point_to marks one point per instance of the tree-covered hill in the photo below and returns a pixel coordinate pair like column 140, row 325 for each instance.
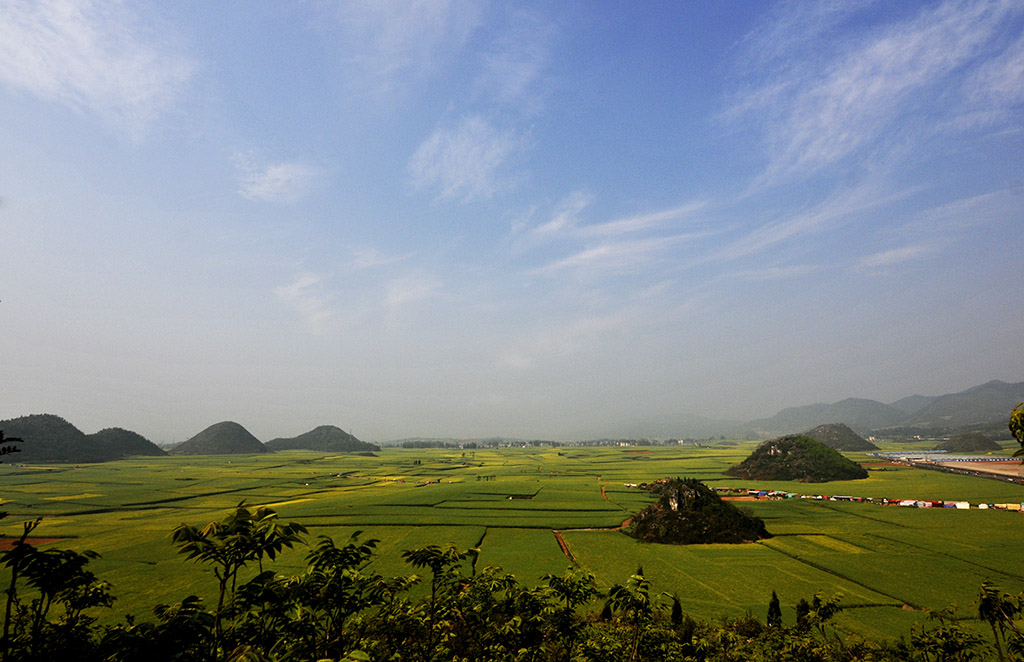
column 797, row 457
column 119, row 442
column 50, row 438
column 688, row 512
column 840, row 437
column 325, row 438
column 968, row 442
column 223, row 438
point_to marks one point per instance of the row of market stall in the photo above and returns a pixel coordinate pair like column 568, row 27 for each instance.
column 906, row 503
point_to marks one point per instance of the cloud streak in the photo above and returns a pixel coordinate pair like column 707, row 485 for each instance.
column 894, row 256
column 618, row 255
column 643, row 221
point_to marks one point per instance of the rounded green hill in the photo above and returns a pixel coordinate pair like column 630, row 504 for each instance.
column 221, row 439
column 968, row 443
column 325, row 438
column 50, row 438
column 119, row 442
column 797, row 457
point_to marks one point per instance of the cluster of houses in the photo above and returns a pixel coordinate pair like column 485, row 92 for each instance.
column 906, row 503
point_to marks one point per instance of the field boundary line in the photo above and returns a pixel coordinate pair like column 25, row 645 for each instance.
column 948, row 555
column 838, row 574
column 196, row 496
column 873, row 519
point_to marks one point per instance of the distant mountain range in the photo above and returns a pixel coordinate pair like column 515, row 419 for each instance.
column 860, row 414
column 984, row 406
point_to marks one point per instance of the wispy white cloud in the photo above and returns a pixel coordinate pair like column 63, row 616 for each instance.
column 273, row 182
column 367, row 258
column 467, row 162
column 939, row 228
column 386, row 42
column 997, row 87
column 642, row 221
column 566, row 215
column 409, row 289
column 92, row 55
column 894, row 256
column 954, row 218
column 513, row 68
column 794, row 26
column 822, row 102
column 619, row 255
column 305, row 295
column 773, row 273
column 836, row 209
column 557, row 342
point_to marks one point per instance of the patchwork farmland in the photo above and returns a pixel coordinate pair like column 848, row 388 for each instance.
column 890, row 564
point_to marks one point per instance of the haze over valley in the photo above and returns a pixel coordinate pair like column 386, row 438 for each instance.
column 539, row 221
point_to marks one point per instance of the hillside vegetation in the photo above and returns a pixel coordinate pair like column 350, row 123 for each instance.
column 968, row 443
column 325, row 438
column 223, row 438
column 125, row 443
column 50, row 438
column 688, row 512
column 797, row 457
column 841, row 438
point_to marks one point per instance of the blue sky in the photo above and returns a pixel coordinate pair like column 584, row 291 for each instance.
column 460, row 218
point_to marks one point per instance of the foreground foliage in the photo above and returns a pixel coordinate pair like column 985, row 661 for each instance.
column 339, row 610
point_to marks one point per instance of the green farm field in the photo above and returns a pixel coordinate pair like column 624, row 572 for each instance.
column 891, row 564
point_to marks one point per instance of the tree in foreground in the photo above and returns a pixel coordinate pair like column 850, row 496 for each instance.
column 244, row 536
column 1017, row 427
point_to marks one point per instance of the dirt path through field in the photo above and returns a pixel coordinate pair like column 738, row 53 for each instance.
column 565, row 546
column 7, row 543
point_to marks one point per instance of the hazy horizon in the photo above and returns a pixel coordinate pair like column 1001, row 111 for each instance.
column 464, row 219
